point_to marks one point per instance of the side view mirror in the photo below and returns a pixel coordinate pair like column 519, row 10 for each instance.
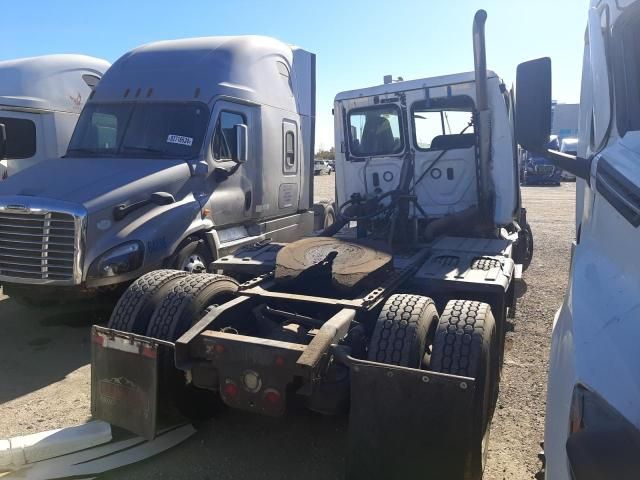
column 3, row 141
column 533, row 104
column 533, row 116
column 200, row 169
column 242, row 139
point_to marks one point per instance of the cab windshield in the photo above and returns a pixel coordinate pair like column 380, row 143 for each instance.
column 151, row 130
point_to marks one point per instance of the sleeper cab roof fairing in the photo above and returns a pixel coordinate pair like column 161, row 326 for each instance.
column 48, row 82
column 256, row 69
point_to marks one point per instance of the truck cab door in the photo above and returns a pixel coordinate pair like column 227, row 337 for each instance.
column 289, row 188
column 445, row 149
column 371, row 146
column 281, row 151
column 232, row 185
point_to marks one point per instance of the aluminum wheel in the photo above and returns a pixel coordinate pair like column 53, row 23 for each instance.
column 194, row 263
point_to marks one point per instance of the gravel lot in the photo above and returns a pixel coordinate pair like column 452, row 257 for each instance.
column 44, row 357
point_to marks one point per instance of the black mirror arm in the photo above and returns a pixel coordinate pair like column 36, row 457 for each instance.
column 221, row 174
column 580, row 167
column 157, row 198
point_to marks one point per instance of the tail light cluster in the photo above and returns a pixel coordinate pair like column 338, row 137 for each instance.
column 250, row 389
column 249, row 392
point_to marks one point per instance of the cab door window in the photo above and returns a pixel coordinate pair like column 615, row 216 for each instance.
column 442, row 129
column 375, row 131
column 224, row 145
column 21, row 137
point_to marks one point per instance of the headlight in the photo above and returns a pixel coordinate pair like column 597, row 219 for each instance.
column 121, row 259
column 602, row 443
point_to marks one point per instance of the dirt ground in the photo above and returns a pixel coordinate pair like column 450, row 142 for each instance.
column 44, row 379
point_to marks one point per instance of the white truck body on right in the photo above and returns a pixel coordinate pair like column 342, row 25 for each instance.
column 593, row 406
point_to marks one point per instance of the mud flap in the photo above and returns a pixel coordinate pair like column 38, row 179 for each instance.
column 408, row 424
column 124, row 380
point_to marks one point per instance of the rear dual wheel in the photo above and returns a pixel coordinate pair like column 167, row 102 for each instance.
column 133, row 311
column 400, row 336
column 463, row 342
column 466, row 344
column 184, row 305
column 164, row 304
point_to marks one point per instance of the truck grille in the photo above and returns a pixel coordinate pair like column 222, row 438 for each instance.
column 37, row 245
column 545, row 169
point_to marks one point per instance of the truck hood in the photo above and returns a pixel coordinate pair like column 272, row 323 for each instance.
column 97, row 183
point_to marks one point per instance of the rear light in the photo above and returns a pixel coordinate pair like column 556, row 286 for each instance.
column 251, row 381
column 272, row 396
column 230, row 389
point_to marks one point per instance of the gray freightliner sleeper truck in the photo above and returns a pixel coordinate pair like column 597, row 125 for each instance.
column 185, row 151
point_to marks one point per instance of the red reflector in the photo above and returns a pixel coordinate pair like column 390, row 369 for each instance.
column 279, row 361
column 98, row 339
column 272, row 396
column 230, row 389
column 219, row 348
column 149, row 352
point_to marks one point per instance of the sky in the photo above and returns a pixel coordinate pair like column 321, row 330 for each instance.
column 357, row 42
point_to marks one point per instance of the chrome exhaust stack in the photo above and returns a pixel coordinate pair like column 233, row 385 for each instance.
column 483, row 123
column 480, row 60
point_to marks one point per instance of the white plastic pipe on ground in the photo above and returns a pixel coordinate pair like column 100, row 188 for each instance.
column 19, row 451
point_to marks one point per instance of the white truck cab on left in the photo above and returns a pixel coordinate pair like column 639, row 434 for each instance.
column 40, row 101
column 432, row 120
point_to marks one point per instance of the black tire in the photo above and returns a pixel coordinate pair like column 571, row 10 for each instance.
column 192, row 247
column 133, row 311
column 401, row 331
column 466, row 344
column 329, row 216
column 324, row 214
column 523, row 247
column 185, row 304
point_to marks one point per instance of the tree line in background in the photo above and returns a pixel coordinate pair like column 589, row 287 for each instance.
column 326, row 154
